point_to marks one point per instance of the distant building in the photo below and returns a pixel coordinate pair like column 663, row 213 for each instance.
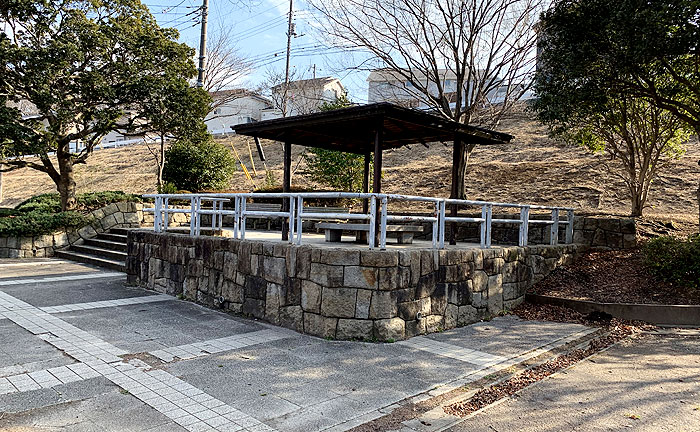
column 232, row 107
column 305, row 96
column 385, row 85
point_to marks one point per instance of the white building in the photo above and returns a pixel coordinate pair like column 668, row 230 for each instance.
column 389, row 86
column 305, row 96
column 232, row 107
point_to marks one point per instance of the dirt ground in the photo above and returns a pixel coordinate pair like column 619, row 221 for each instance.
column 533, row 169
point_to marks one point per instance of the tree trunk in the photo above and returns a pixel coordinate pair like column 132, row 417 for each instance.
column 637, row 204
column 161, row 163
column 698, row 205
column 66, row 179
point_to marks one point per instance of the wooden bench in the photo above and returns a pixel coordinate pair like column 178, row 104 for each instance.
column 263, row 207
column 334, row 231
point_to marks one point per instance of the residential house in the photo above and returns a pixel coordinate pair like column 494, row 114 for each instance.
column 385, row 85
column 305, row 96
column 232, row 107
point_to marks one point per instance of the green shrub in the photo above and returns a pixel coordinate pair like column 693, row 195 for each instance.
column 42, row 214
column 199, row 165
column 674, row 260
column 51, row 202
column 37, row 223
column 339, row 170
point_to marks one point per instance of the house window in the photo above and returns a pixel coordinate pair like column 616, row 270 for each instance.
column 217, row 111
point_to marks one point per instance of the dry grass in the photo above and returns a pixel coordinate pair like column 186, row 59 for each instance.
column 533, row 168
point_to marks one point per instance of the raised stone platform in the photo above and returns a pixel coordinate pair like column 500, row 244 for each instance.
column 342, row 292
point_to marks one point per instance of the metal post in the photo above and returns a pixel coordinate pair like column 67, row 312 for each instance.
column 489, row 213
column 290, row 31
column 554, row 233
column 300, row 217
column 570, row 227
column 286, row 184
column 156, row 214
column 236, row 213
column 193, row 216
column 198, row 223
column 382, row 232
column 242, row 229
column 292, row 203
column 166, row 216
column 441, row 221
column 213, row 215
column 482, row 242
column 524, row 225
column 372, row 235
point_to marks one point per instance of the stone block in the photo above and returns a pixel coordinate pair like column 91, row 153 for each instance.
column 383, row 305
column 292, row 317
column 272, row 303
column 428, row 262
column 354, row 329
column 360, row 277
column 434, row 323
column 326, row 275
column 451, row 313
column 340, row 256
column 303, row 262
column 310, row 296
column 379, row 258
column 479, row 299
column 274, row 269
column 511, row 290
column 338, row 302
column 493, row 266
column 459, row 293
column 87, row 232
column 255, row 287
column 415, row 328
column 478, row 259
column 388, row 278
column 479, row 281
column 467, row 315
column 389, row 329
column 495, row 294
column 438, row 300
column 426, row 285
column 364, row 299
column 232, row 292
column 318, row 325
column 254, row 307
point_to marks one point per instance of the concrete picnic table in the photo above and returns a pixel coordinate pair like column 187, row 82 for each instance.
column 334, row 231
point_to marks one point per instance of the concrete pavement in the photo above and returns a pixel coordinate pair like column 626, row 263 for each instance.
column 80, row 351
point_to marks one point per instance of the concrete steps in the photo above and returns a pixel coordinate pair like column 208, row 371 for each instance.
column 106, row 250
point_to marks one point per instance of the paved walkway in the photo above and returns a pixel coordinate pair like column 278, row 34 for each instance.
column 80, row 351
column 648, row 384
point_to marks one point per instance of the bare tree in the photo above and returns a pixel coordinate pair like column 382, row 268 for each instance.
column 305, row 95
column 467, row 60
column 225, row 68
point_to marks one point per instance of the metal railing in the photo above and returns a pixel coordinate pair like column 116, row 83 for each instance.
column 377, row 218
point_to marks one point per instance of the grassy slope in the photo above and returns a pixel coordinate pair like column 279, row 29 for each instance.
column 532, row 169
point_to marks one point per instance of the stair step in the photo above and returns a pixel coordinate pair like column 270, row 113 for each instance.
column 93, row 260
column 119, row 238
column 120, row 231
column 106, row 244
column 100, row 252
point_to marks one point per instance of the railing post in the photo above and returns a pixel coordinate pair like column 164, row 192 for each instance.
column 524, row 225
column 292, row 224
column 300, row 217
column 157, row 214
column 570, row 227
column 489, row 214
column 554, row 233
column 193, row 215
column 166, row 217
column 441, row 223
column 382, row 227
column 372, row 221
column 482, row 241
column 436, row 225
column 213, row 215
column 242, row 228
column 236, row 213
column 198, row 218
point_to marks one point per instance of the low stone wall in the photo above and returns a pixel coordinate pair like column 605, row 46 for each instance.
column 342, row 293
column 116, row 215
column 605, row 233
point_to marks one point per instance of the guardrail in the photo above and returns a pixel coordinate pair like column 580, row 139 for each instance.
column 378, row 216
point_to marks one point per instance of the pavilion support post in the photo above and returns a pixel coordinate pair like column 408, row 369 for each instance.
column 377, row 177
column 365, row 182
column 286, row 185
column 460, row 157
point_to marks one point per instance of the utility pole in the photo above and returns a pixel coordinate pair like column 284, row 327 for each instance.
column 290, row 32
column 1, row 168
column 203, row 44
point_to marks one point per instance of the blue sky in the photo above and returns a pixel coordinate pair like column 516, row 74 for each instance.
column 260, row 27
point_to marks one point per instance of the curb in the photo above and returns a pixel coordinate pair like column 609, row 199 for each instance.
column 673, row 315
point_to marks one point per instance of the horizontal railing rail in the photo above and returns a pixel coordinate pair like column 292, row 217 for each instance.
column 378, row 216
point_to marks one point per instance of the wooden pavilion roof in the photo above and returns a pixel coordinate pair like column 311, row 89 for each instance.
column 353, row 129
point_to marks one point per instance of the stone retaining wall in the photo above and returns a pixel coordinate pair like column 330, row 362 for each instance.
column 116, row 215
column 343, row 293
